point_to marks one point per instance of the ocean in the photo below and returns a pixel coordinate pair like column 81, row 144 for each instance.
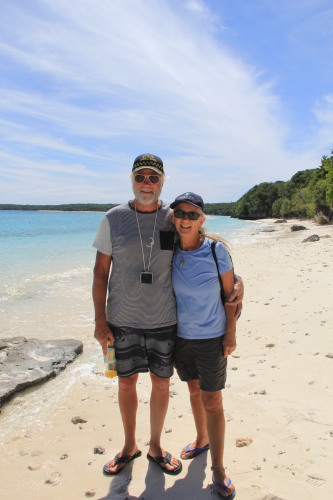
column 46, row 262
column 46, row 270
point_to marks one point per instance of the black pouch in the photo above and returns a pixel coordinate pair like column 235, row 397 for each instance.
column 167, row 239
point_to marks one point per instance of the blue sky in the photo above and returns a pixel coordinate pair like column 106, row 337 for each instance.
column 229, row 93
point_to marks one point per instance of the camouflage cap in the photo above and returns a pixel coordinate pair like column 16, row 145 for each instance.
column 150, row 161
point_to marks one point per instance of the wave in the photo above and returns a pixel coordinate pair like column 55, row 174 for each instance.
column 15, row 287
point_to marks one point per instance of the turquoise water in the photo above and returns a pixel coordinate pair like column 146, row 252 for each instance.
column 46, row 267
column 46, row 263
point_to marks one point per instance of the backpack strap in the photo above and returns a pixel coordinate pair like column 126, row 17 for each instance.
column 218, row 272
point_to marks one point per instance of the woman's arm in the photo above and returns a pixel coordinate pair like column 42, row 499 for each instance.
column 229, row 338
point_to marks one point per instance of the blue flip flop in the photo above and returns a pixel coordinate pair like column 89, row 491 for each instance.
column 197, row 451
column 223, row 487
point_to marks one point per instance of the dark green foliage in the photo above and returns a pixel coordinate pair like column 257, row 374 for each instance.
column 73, row 207
column 299, row 197
column 305, row 193
column 219, row 208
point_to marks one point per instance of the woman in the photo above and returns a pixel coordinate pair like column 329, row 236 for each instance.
column 206, row 331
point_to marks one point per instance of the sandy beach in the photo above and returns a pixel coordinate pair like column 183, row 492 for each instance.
column 278, row 401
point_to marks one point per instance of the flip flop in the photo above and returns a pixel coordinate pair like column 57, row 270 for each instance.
column 223, row 487
column 166, row 460
column 197, row 451
column 120, row 460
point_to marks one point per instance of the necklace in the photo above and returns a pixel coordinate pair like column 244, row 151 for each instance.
column 146, row 276
column 195, row 247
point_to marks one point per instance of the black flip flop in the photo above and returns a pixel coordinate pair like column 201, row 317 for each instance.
column 166, row 460
column 120, row 460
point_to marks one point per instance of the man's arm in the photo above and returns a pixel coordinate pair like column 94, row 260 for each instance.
column 236, row 297
column 99, row 292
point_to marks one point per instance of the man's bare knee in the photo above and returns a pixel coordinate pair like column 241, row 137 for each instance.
column 127, row 383
column 160, row 383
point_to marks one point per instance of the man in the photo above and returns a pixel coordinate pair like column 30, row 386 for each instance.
column 138, row 314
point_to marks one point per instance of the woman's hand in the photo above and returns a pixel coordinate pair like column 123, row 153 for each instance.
column 229, row 342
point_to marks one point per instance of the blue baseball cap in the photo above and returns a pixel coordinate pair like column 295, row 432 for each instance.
column 192, row 198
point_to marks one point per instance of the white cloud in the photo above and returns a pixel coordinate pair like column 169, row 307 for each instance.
column 89, row 85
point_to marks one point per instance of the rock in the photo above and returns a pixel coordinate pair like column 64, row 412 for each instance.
column 29, row 362
column 54, row 480
column 99, row 450
column 90, row 493
column 280, row 221
column 241, row 442
column 314, row 237
column 295, row 227
column 329, row 355
column 78, row 420
column 34, row 466
column 64, row 456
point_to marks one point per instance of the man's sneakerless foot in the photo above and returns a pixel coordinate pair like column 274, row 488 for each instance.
column 119, row 462
column 162, row 462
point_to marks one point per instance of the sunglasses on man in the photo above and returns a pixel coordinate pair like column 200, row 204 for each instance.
column 153, row 179
column 180, row 214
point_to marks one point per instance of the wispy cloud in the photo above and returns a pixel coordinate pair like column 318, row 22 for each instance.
column 87, row 86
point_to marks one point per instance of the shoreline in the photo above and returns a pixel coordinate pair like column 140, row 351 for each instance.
column 278, row 394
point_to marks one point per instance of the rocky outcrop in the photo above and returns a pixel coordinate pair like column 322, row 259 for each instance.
column 27, row 362
column 296, row 227
column 313, row 237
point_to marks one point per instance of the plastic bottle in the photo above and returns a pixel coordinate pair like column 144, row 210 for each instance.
column 110, row 362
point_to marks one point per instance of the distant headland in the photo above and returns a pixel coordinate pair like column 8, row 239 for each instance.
column 308, row 193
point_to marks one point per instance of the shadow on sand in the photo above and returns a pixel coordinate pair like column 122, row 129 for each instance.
column 185, row 487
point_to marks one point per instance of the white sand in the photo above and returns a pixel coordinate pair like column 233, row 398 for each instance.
column 279, row 394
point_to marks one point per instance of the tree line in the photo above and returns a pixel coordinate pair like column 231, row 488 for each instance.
column 305, row 194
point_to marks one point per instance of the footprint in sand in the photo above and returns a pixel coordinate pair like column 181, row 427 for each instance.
column 315, row 481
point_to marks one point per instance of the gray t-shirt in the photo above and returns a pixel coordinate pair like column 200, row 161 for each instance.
column 130, row 302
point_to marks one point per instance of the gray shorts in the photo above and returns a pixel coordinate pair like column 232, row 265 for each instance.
column 139, row 351
column 201, row 359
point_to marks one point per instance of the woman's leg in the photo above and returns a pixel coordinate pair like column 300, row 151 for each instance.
column 199, row 416
column 212, row 403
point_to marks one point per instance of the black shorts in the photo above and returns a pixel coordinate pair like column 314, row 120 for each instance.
column 201, row 359
column 139, row 351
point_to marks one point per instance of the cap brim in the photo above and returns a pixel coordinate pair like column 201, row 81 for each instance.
column 175, row 203
column 146, row 167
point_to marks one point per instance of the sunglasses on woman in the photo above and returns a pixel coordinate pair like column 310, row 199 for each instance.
column 180, row 214
column 154, row 179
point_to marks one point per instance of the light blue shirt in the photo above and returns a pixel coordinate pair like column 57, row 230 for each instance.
column 200, row 312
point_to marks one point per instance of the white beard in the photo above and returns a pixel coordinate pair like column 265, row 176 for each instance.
column 145, row 198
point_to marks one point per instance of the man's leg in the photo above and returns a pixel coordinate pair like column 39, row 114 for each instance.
column 212, row 402
column 159, row 401
column 128, row 404
column 199, row 416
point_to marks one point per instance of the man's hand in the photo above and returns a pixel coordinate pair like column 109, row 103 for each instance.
column 236, row 297
column 103, row 334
